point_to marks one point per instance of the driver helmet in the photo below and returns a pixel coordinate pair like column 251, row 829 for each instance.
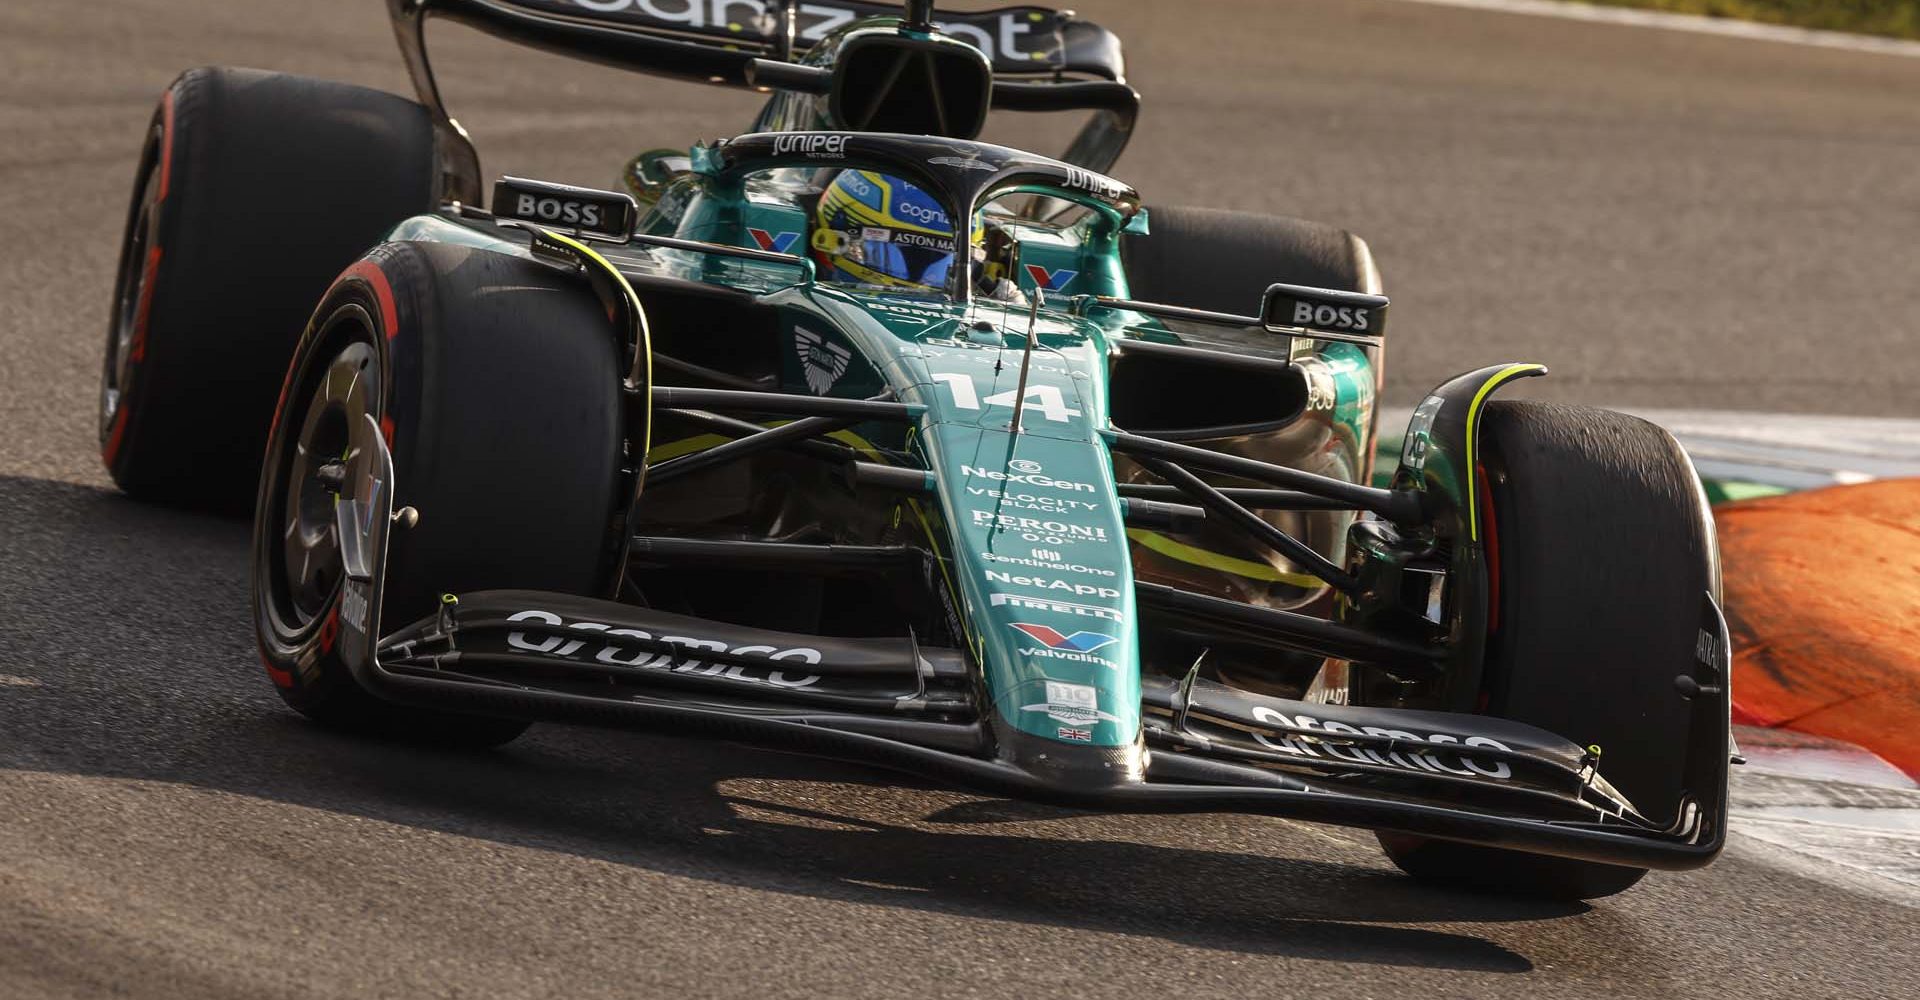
column 872, row 229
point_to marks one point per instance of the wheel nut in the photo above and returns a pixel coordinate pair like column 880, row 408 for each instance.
column 332, row 475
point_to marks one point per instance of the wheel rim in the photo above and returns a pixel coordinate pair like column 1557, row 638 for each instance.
column 312, row 480
column 131, row 289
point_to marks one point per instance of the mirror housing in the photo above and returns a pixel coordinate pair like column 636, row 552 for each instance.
column 648, row 174
column 1001, row 261
column 1324, row 311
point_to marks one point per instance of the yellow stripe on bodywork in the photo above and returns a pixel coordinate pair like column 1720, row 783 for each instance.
column 644, row 347
column 685, row 446
column 1207, row 559
column 976, row 643
column 701, row 442
column 1472, row 499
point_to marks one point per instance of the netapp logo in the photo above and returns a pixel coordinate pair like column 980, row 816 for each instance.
column 1042, row 583
column 826, row 147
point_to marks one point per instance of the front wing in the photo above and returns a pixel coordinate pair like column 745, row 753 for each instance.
column 895, row 703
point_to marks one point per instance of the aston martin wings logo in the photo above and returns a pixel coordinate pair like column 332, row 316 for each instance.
column 822, row 362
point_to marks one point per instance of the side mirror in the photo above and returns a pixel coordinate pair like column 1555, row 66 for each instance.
column 1000, row 259
column 1324, row 311
column 648, row 174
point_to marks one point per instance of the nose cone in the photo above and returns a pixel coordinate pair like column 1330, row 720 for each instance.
column 1059, row 763
column 1036, row 550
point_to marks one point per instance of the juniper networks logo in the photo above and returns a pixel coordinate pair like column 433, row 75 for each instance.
column 810, row 144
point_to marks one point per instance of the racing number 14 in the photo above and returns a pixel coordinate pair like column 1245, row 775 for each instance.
column 1045, row 399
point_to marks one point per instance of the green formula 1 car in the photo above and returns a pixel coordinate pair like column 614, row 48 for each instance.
column 858, row 436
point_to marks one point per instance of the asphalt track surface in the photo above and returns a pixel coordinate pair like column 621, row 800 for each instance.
column 1670, row 220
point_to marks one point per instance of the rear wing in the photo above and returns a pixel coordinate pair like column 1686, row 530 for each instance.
column 1016, row 40
column 1042, row 59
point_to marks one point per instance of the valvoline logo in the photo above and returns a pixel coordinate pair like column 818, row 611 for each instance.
column 777, row 242
column 1053, row 638
column 1050, row 280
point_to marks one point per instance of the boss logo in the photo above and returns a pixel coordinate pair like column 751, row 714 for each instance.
column 1292, row 307
column 607, row 213
column 1340, row 317
column 529, row 206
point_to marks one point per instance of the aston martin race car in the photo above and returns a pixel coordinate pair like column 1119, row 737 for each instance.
column 858, row 436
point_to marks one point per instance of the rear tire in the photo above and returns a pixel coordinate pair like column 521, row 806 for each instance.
column 254, row 190
column 1600, row 545
column 1207, row 258
column 496, row 382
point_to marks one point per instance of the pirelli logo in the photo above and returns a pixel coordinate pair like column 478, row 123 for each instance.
column 1057, row 607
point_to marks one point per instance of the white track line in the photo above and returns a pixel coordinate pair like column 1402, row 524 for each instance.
column 1725, row 27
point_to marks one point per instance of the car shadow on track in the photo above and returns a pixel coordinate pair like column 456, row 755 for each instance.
column 127, row 624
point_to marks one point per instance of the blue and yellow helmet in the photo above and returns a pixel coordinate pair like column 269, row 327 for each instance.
column 877, row 230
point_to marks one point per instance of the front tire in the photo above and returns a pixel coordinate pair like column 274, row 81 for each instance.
column 496, row 383
column 254, row 189
column 1600, row 545
column 1209, row 258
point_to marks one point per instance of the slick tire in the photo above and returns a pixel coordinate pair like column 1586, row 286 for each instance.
column 1600, row 545
column 254, row 189
column 1206, row 258
column 495, row 382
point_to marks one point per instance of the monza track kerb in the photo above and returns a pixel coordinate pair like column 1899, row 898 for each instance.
column 944, row 491
column 1829, row 651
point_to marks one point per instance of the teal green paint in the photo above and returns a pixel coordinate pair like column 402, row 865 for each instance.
column 1724, row 491
column 1035, row 534
column 1027, row 526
